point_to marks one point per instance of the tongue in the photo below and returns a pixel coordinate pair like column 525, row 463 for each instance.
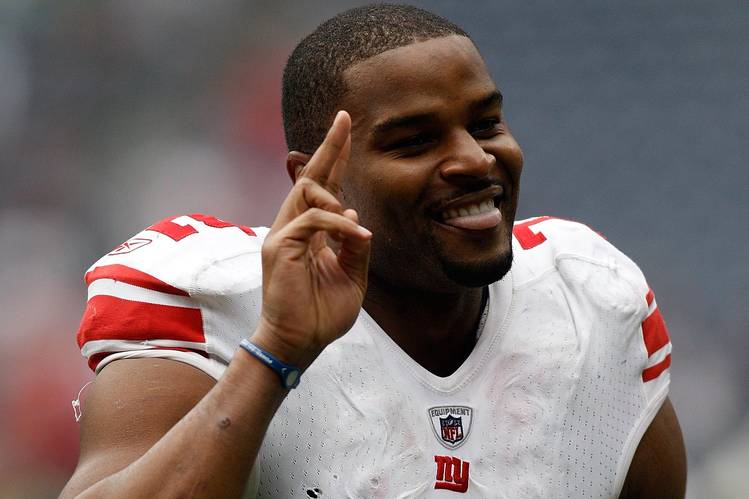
column 477, row 222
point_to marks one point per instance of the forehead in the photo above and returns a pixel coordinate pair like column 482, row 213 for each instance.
column 428, row 76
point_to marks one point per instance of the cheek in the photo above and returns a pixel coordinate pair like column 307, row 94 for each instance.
column 386, row 207
column 401, row 200
column 384, row 194
column 362, row 196
column 513, row 157
column 517, row 168
column 510, row 157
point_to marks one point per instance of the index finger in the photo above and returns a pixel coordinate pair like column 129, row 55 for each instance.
column 332, row 153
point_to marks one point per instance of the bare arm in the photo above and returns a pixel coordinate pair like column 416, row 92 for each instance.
column 162, row 428
column 135, row 440
column 659, row 466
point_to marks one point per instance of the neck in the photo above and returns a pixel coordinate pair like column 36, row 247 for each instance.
column 437, row 330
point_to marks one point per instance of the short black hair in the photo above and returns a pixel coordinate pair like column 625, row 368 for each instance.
column 313, row 78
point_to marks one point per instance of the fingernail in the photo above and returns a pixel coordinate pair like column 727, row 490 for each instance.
column 364, row 232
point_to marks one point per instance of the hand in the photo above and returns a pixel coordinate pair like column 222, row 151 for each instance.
column 311, row 293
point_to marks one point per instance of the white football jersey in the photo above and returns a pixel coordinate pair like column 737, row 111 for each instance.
column 568, row 371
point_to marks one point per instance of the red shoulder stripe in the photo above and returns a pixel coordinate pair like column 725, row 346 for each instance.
column 131, row 276
column 654, row 332
column 111, row 318
column 653, row 372
column 649, row 297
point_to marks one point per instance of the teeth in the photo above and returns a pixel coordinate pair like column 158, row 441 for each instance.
column 472, row 209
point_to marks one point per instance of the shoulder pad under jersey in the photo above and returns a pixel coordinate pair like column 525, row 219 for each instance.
column 187, row 284
column 598, row 276
column 540, row 244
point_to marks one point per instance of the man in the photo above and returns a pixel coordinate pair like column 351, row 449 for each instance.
column 466, row 371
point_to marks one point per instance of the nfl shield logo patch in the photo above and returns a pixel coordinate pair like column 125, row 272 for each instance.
column 451, row 424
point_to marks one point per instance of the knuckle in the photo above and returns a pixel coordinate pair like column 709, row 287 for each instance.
column 334, row 206
column 314, row 214
column 267, row 249
column 302, row 185
column 270, row 240
column 321, row 216
column 313, row 189
column 321, row 198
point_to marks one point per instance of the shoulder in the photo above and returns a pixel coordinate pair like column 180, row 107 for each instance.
column 600, row 286
column 173, row 289
column 543, row 241
column 617, row 322
column 182, row 255
column 581, row 256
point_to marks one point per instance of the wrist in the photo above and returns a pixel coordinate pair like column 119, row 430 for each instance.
column 287, row 373
column 285, row 351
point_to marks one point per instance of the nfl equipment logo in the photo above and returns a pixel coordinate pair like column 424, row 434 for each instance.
column 451, row 424
column 452, row 429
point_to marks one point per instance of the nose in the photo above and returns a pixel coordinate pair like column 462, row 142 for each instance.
column 466, row 159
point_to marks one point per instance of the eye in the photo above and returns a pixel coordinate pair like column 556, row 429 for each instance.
column 413, row 144
column 486, row 128
column 419, row 139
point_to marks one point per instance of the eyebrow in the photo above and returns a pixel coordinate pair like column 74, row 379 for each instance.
column 413, row 120
column 491, row 99
column 410, row 120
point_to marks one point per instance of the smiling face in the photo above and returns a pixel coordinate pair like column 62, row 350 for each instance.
column 434, row 170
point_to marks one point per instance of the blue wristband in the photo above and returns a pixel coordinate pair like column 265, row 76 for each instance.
column 289, row 374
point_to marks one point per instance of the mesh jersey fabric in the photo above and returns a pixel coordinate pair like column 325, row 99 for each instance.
column 570, row 369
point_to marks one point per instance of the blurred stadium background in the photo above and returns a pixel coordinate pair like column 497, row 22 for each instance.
column 114, row 114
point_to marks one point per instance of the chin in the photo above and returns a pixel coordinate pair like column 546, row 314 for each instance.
column 479, row 274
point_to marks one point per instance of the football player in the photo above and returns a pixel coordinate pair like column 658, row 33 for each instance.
column 395, row 333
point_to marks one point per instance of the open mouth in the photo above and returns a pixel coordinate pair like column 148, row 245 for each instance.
column 475, row 211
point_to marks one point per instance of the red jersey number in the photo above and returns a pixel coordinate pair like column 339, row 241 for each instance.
column 529, row 239
column 526, row 237
column 178, row 232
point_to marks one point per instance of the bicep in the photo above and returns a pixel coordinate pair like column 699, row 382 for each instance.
column 659, row 466
column 130, row 406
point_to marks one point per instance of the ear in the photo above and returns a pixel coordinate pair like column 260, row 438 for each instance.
column 295, row 161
